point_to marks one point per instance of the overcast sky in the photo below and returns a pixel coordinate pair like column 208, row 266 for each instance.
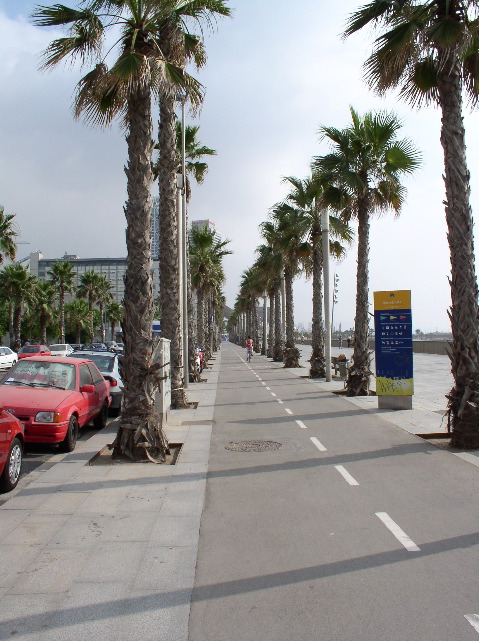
column 276, row 72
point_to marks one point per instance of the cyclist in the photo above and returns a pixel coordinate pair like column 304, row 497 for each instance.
column 249, row 348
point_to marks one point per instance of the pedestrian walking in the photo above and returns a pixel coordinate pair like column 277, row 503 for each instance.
column 340, row 341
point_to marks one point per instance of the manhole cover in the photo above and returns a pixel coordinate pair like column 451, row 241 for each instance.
column 253, row 446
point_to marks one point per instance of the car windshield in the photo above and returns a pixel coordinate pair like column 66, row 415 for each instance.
column 30, row 349
column 104, row 362
column 34, row 373
column 58, row 348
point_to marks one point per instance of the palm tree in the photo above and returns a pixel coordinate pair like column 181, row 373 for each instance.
column 8, row 233
column 77, row 315
column 366, row 164
column 194, row 154
column 143, row 68
column 104, row 297
column 18, row 286
column 180, row 47
column 269, row 263
column 114, row 315
column 44, row 306
column 207, row 252
column 89, row 288
column 292, row 228
column 430, row 50
column 63, row 277
column 309, row 197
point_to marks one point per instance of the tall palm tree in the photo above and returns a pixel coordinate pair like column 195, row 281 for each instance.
column 114, row 315
column 8, row 232
column 19, row 285
column 366, row 163
column 104, row 297
column 292, row 227
column 194, row 153
column 310, row 196
column 77, row 316
column 269, row 263
column 44, row 306
column 63, row 277
column 142, row 69
column 431, row 50
column 89, row 288
column 181, row 47
column 272, row 237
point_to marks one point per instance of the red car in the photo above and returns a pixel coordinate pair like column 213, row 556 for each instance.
column 33, row 350
column 11, row 450
column 54, row 396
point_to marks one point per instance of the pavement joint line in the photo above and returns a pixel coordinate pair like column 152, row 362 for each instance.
column 318, row 444
column 288, row 411
column 301, row 425
column 346, row 475
column 473, row 620
column 400, row 535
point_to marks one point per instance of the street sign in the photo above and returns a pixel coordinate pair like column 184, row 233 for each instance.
column 393, row 341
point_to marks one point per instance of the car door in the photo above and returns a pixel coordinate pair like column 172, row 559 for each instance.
column 99, row 383
column 90, row 398
column 4, row 436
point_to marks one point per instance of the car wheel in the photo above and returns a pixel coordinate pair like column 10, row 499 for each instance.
column 69, row 442
column 99, row 422
column 13, row 467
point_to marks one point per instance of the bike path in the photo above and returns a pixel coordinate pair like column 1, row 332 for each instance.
column 354, row 529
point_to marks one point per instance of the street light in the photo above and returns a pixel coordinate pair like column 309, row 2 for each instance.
column 327, row 315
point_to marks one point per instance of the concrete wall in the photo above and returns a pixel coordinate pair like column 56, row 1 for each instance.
column 418, row 347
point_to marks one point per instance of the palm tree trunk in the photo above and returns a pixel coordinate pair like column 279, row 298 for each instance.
column 43, row 329
column 17, row 327
column 463, row 405
column 102, row 323
column 200, row 313
column 278, row 340
column 140, row 426
column 169, row 286
column 317, row 360
column 291, row 352
column 357, row 383
column 62, row 315
column 194, row 372
column 11, row 325
column 269, row 352
column 256, row 346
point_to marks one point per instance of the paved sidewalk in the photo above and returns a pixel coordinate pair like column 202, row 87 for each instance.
column 110, row 552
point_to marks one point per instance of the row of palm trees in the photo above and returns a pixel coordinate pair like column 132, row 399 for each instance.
column 429, row 51
column 37, row 308
column 146, row 66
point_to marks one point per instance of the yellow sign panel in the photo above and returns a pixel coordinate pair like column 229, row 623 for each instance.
column 399, row 299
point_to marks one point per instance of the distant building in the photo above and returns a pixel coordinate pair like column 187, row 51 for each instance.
column 201, row 224
column 113, row 269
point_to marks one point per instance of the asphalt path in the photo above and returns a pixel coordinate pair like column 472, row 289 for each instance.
column 353, row 530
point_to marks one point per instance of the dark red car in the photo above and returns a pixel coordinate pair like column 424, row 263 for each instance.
column 54, row 396
column 33, row 350
column 11, row 450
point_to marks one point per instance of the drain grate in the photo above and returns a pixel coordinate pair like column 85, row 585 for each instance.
column 253, row 446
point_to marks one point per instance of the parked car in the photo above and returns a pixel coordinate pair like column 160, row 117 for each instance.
column 53, row 397
column 28, row 351
column 107, row 363
column 112, row 346
column 61, row 349
column 121, row 347
column 77, row 346
column 11, row 450
column 7, row 358
column 97, row 347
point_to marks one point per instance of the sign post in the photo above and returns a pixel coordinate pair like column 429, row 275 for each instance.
column 393, row 342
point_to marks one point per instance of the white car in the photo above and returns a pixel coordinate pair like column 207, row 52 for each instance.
column 7, row 358
column 61, row 349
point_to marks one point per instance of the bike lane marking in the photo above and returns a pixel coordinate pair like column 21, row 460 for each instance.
column 346, row 475
column 318, row 444
column 473, row 620
column 400, row 535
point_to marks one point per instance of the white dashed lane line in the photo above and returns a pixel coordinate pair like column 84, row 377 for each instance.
column 473, row 620
column 346, row 475
column 288, row 411
column 279, row 401
column 273, row 394
column 401, row 536
column 318, row 444
column 268, row 388
column 301, row 425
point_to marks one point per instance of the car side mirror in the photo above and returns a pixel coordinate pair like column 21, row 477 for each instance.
column 87, row 389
